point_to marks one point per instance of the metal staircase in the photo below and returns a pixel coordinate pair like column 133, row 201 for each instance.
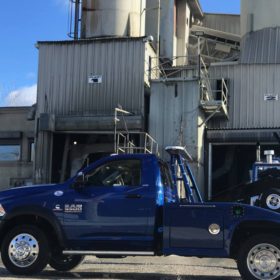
column 213, row 101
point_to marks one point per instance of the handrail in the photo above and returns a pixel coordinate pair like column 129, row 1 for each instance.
column 166, row 67
column 126, row 145
column 204, row 77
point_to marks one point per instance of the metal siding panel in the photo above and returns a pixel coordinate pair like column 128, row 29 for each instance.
column 247, row 86
column 226, row 23
column 261, row 47
column 170, row 115
column 64, row 70
column 174, row 120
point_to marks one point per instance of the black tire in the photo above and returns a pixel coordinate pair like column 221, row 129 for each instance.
column 61, row 262
column 270, row 199
column 259, row 258
column 36, row 246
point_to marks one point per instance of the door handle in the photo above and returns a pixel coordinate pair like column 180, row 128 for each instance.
column 133, row 196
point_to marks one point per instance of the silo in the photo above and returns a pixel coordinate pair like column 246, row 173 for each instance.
column 101, row 18
column 260, row 31
column 259, row 14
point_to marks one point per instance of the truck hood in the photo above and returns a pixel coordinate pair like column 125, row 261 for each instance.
column 24, row 191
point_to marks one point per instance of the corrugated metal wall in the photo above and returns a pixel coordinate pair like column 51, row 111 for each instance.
column 248, row 85
column 226, row 23
column 174, row 112
column 174, row 120
column 64, row 68
column 261, row 47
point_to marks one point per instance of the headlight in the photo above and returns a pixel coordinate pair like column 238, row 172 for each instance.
column 2, row 211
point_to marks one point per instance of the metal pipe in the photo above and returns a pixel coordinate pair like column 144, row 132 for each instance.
column 77, row 19
column 210, row 154
column 199, row 58
column 158, row 28
column 258, row 152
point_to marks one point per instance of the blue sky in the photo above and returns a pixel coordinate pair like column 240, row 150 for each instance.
column 23, row 23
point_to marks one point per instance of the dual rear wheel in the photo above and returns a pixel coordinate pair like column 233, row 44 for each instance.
column 259, row 258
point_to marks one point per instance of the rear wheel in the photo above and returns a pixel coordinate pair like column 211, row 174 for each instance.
column 259, row 258
column 61, row 262
column 25, row 250
column 270, row 199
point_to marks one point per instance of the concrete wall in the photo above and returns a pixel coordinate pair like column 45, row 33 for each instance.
column 152, row 14
column 174, row 29
column 15, row 129
column 183, row 31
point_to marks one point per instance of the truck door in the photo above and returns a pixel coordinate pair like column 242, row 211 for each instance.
column 188, row 227
column 117, row 208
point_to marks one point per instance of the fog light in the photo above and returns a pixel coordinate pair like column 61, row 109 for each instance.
column 214, row 229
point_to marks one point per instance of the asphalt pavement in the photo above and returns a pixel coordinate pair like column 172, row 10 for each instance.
column 144, row 268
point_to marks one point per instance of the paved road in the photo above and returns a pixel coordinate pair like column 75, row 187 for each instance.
column 143, row 268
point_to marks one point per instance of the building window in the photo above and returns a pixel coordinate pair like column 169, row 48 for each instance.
column 9, row 152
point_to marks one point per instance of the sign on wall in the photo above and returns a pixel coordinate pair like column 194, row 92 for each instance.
column 271, row 97
column 95, row 79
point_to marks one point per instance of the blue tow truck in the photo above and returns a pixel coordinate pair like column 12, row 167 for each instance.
column 129, row 205
column 263, row 190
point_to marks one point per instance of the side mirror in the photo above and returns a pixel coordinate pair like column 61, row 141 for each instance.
column 80, row 181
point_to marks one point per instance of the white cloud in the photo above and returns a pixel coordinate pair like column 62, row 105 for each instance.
column 25, row 96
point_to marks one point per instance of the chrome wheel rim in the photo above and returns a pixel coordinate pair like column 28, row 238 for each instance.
column 273, row 201
column 263, row 261
column 23, row 250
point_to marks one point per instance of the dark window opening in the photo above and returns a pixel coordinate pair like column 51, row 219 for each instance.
column 232, row 164
column 31, row 150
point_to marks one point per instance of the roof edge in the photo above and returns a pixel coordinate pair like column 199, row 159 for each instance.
column 196, row 8
column 94, row 39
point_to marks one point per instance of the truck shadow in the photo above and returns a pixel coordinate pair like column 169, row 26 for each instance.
column 122, row 276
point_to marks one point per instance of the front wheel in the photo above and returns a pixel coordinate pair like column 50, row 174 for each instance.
column 259, row 258
column 25, row 250
column 61, row 262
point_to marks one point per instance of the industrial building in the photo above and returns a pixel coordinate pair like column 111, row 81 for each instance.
column 16, row 146
column 109, row 65
column 205, row 81
column 224, row 105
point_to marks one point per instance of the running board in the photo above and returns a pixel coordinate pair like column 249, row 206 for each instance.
column 108, row 253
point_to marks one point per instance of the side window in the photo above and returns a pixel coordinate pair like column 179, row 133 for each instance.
column 165, row 176
column 116, row 173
